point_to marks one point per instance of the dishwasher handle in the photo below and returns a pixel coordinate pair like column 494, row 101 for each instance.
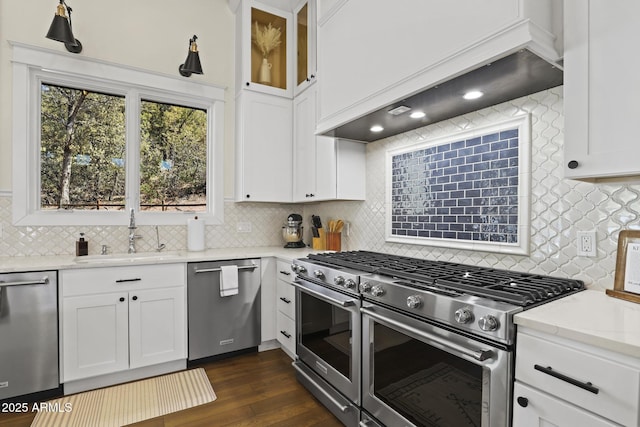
column 217, row 269
column 43, row 281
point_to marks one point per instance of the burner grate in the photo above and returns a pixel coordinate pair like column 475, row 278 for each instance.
column 513, row 287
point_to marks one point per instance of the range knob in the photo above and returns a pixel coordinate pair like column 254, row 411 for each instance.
column 298, row 268
column 365, row 287
column 350, row 284
column 463, row 315
column 414, row 301
column 377, row 291
column 338, row 280
column 488, row 323
column 319, row 274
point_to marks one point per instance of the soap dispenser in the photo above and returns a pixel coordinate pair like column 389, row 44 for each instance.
column 82, row 246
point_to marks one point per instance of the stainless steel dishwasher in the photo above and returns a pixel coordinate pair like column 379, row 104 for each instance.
column 29, row 334
column 222, row 324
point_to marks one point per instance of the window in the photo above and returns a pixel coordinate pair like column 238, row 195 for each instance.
column 93, row 140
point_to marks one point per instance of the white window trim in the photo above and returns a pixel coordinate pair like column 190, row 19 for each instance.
column 33, row 64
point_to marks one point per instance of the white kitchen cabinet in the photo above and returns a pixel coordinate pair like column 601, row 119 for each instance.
column 264, row 151
column 565, row 383
column 286, row 303
column 120, row 318
column 268, row 303
column 371, row 53
column 600, row 81
column 323, row 168
column 540, row 409
column 255, row 71
column 304, row 36
column 95, row 335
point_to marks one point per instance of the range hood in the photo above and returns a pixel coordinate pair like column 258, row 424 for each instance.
column 518, row 74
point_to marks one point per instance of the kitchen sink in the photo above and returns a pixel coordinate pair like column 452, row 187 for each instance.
column 127, row 258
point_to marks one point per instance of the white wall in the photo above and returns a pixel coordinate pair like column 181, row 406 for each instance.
column 148, row 34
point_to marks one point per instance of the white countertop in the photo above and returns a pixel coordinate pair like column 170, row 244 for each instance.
column 590, row 317
column 64, row 262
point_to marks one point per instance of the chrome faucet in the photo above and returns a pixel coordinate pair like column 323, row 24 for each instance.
column 132, row 233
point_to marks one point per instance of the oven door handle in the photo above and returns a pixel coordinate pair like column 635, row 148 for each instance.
column 478, row 354
column 326, row 298
column 342, row 408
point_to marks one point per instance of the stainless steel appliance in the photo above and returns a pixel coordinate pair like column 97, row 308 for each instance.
column 292, row 232
column 438, row 338
column 29, row 335
column 328, row 336
column 222, row 324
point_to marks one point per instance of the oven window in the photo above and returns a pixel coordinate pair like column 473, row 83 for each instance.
column 426, row 385
column 326, row 331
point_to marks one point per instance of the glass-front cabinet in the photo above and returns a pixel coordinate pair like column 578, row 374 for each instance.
column 266, row 46
column 304, row 29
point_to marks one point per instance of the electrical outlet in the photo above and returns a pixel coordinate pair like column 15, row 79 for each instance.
column 586, row 243
column 243, row 227
column 347, row 228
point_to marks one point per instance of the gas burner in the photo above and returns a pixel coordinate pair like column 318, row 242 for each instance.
column 512, row 287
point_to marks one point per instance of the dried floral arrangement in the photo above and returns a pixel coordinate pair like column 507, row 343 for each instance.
column 266, row 38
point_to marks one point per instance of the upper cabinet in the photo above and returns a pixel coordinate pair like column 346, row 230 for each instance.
column 264, row 37
column 304, row 35
column 372, row 53
column 601, row 78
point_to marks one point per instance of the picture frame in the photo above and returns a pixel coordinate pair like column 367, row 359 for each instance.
column 626, row 284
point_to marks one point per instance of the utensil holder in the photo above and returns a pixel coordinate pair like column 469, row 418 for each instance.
column 320, row 242
column 334, row 241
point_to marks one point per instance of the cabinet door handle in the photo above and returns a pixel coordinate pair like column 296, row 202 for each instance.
column 121, row 299
column 286, row 273
column 137, row 279
column 288, row 301
column 523, row 401
column 549, row 371
column 285, row 334
column 573, row 164
column 135, row 298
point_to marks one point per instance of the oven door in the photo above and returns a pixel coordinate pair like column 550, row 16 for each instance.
column 328, row 336
column 418, row 374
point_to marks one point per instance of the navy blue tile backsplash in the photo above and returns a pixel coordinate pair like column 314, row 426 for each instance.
column 465, row 190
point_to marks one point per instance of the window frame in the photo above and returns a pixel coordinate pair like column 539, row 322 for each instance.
column 33, row 66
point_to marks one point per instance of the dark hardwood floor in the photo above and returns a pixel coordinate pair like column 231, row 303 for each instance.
column 258, row 389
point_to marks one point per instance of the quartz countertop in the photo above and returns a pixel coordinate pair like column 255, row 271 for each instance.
column 64, row 262
column 590, row 317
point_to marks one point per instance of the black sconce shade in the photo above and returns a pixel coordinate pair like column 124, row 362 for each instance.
column 60, row 29
column 192, row 63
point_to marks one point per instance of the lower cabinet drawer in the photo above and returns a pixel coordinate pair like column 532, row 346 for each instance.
column 286, row 295
column 603, row 386
column 532, row 408
column 286, row 331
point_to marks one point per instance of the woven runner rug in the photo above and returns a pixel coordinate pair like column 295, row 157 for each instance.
column 128, row 403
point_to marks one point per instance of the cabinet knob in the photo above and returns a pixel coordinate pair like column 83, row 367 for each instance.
column 523, row 401
column 313, row 76
column 248, row 195
column 308, row 79
column 121, row 299
column 247, row 83
column 573, row 164
column 135, row 298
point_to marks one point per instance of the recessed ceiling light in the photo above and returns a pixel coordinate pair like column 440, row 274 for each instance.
column 473, row 94
column 376, row 128
column 417, row 115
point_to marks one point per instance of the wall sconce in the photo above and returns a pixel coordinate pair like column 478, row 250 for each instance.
column 61, row 30
column 192, row 63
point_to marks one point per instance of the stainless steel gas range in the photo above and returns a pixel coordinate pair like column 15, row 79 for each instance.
column 391, row 340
